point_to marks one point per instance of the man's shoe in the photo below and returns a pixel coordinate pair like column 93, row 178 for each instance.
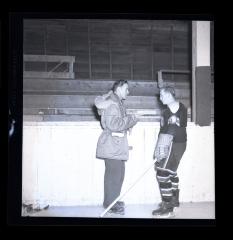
column 120, row 203
column 163, row 213
column 166, row 210
column 175, row 199
column 161, row 204
column 117, row 204
column 117, row 210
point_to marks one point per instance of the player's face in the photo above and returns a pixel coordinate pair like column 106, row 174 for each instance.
column 165, row 97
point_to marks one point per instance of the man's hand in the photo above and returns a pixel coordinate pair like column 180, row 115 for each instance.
column 134, row 117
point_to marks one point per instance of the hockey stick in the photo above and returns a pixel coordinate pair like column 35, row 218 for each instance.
column 123, row 194
column 139, row 178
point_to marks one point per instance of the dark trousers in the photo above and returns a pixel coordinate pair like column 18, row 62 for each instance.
column 167, row 171
column 113, row 180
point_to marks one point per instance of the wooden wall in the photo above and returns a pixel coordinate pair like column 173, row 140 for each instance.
column 60, row 167
column 105, row 50
column 112, row 49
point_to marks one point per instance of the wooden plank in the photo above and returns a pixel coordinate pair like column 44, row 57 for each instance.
column 100, row 26
column 65, row 114
column 100, row 58
column 56, row 28
column 103, row 25
column 142, row 60
column 162, row 60
column 99, row 37
column 38, row 50
column 84, row 111
column 181, row 78
column 77, row 25
column 48, row 58
column 141, row 39
column 81, row 56
column 68, row 118
column 100, row 47
column 82, row 75
column 81, row 67
column 55, row 118
column 121, row 75
column 35, row 66
column 98, row 75
column 58, row 111
column 81, row 47
column 121, row 59
column 77, row 118
column 100, row 68
column 34, row 74
column 80, row 101
column 141, row 76
column 101, row 86
column 122, row 36
column 32, row 118
column 181, row 60
column 142, row 68
column 33, row 24
column 56, row 43
column 121, row 68
column 161, row 36
column 33, row 42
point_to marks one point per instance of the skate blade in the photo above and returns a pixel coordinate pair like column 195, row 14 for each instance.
column 168, row 215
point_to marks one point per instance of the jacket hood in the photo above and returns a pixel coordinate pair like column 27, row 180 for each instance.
column 103, row 103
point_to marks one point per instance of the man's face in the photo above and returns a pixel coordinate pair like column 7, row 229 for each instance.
column 123, row 91
column 165, row 97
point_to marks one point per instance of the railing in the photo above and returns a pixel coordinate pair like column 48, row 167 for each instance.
column 51, row 73
column 161, row 72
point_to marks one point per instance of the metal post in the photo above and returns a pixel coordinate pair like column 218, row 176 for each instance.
column 194, row 64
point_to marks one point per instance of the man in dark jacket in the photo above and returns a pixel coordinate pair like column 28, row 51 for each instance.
column 112, row 144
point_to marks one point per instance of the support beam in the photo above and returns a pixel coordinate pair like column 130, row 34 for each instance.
column 201, row 73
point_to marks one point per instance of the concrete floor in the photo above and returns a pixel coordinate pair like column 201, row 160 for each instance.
column 200, row 210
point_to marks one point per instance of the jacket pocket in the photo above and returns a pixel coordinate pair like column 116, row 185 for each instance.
column 112, row 147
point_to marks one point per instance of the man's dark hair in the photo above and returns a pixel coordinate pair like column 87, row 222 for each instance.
column 118, row 83
column 169, row 89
